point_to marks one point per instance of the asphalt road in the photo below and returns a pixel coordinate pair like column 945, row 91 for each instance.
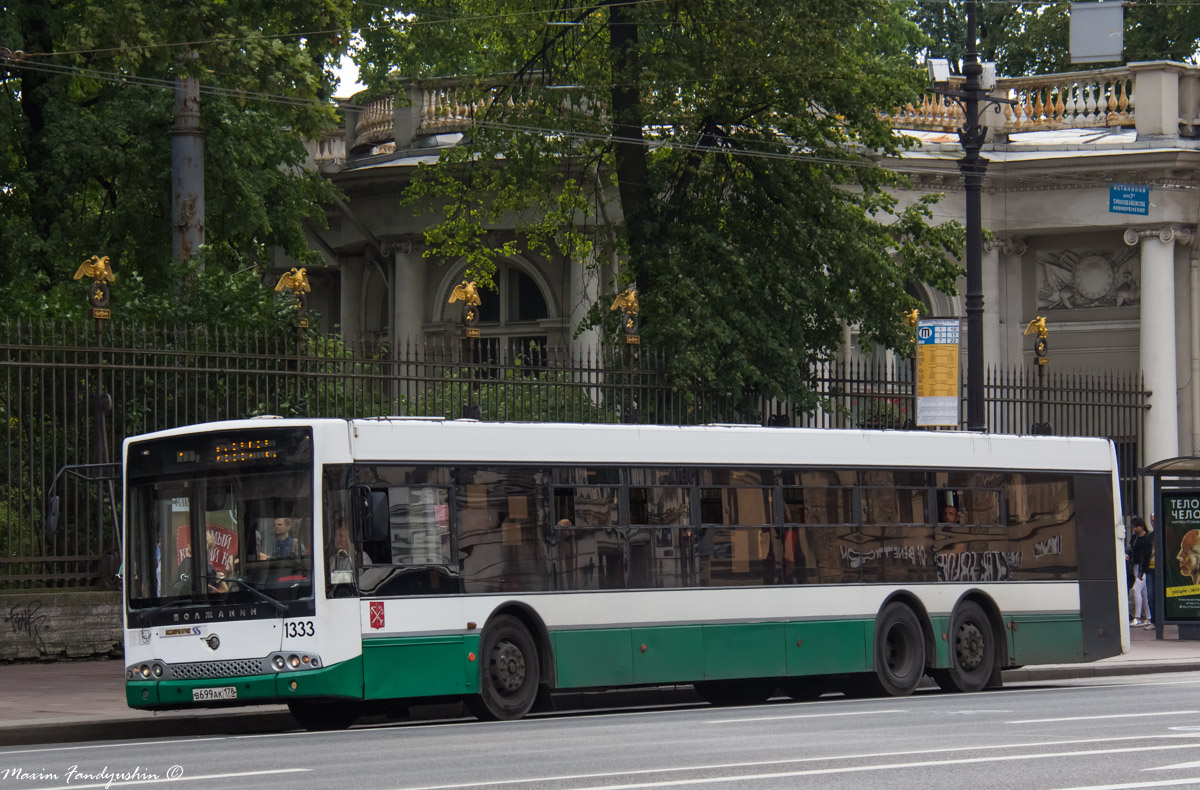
column 1132, row 732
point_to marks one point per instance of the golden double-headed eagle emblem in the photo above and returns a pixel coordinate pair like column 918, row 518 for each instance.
column 466, row 292
column 626, row 301
column 296, row 280
column 97, row 268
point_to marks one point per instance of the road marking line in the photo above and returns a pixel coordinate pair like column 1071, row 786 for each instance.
column 805, row 716
column 1175, row 767
column 949, row 750
column 885, row 767
column 122, row 745
column 1107, row 716
column 166, row 780
column 1133, row 785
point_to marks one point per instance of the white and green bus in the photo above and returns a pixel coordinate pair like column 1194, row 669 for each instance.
column 354, row 566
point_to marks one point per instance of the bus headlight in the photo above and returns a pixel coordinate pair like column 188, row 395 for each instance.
column 145, row 670
column 290, row 662
column 158, row 670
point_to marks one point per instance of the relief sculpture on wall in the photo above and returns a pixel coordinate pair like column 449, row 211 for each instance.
column 1070, row 280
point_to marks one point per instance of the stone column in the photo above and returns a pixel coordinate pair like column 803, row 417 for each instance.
column 351, row 307
column 408, row 295
column 583, row 290
column 998, row 256
column 1156, row 351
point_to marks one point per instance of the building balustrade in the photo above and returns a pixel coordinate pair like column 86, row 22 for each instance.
column 1157, row 99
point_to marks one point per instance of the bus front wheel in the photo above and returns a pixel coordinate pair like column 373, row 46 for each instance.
column 899, row 650
column 972, row 650
column 509, row 673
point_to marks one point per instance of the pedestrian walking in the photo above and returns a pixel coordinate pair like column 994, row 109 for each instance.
column 1139, row 560
column 1150, row 576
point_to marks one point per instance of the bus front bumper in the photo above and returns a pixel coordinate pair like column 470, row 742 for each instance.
column 340, row 681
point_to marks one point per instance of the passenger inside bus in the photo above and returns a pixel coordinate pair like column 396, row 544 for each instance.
column 284, row 544
column 948, row 507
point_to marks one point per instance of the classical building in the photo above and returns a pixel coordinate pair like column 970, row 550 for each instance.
column 1113, row 271
column 379, row 287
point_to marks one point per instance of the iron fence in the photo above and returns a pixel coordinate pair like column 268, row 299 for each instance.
column 70, row 392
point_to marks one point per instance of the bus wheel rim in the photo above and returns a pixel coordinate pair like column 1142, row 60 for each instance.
column 508, row 667
column 969, row 646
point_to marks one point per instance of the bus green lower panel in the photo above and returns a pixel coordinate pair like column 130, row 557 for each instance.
column 828, row 647
column 745, row 650
column 431, row 666
column 1047, row 640
column 178, row 693
column 340, row 680
column 141, row 693
column 602, row 657
column 344, row 679
column 668, row 655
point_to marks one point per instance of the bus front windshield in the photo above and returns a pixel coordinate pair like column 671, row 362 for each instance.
column 221, row 538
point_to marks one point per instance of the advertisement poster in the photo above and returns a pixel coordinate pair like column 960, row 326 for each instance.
column 1181, row 565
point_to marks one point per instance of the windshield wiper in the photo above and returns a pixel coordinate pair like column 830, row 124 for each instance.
column 279, row 605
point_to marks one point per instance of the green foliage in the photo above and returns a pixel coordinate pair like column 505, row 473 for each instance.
column 85, row 137
column 517, row 395
column 726, row 140
column 1034, row 38
column 879, row 413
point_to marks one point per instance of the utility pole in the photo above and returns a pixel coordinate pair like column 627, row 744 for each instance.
column 973, row 166
column 187, row 168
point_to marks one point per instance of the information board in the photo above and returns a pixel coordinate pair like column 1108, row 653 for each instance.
column 1128, row 199
column 937, row 372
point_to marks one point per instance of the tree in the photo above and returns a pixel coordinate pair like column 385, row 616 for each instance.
column 735, row 136
column 85, row 125
column 1034, row 38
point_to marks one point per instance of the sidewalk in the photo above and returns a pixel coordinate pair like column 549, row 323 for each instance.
column 85, row 700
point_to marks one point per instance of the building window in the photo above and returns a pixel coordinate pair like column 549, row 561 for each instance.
column 508, row 321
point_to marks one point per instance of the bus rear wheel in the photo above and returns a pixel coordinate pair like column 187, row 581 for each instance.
column 748, row 691
column 509, row 673
column 316, row 716
column 972, row 650
column 899, row 650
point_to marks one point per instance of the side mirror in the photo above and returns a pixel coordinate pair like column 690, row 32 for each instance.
column 370, row 515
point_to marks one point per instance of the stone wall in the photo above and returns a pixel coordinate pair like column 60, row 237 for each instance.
column 48, row 624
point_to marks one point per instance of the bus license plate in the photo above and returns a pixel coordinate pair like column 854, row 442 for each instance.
column 220, row 692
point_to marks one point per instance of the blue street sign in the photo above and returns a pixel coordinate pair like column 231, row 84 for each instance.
column 1128, row 199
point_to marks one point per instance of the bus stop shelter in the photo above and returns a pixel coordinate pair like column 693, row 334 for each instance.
column 1176, row 499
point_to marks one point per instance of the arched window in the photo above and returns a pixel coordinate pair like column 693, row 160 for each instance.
column 509, row 319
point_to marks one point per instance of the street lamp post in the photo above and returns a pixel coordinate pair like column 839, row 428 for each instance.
column 973, row 167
